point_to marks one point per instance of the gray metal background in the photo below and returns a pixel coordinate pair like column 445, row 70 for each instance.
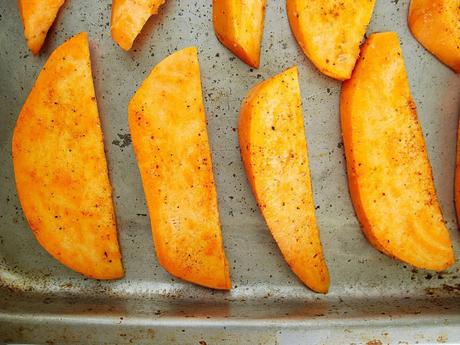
column 372, row 297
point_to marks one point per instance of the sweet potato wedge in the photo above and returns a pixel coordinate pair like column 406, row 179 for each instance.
column 129, row 17
column 436, row 25
column 60, row 166
column 389, row 173
column 239, row 25
column 168, row 129
column 330, row 32
column 37, row 17
column 274, row 152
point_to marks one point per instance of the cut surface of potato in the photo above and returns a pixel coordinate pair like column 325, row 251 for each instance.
column 389, row 173
column 330, row 32
column 168, row 129
column 239, row 25
column 436, row 25
column 37, row 17
column 129, row 17
column 274, row 152
column 60, row 166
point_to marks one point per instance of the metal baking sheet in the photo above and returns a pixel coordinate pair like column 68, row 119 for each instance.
column 373, row 299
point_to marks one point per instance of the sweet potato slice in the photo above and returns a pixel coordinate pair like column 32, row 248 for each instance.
column 389, row 173
column 60, row 166
column 239, row 25
column 274, row 151
column 168, row 128
column 37, row 17
column 129, row 17
column 436, row 25
column 330, row 32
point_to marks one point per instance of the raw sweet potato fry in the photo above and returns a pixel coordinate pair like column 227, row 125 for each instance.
column 129, row 17
column 168, row 129
column 37, row 17
column 60, row 166
column 436, row 25
column 239, row 25
column 389, row 173
column 274, row 151
column 330, row 32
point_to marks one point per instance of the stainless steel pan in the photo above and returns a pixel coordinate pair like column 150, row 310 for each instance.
column 373, row 299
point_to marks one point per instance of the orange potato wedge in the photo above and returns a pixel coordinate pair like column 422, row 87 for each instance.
column 168, row 129
column 274, row 152
column 330, row 32
column 436, row 25
column 239, row 25
column 37, row 17
column 129, row 17
column 60, row 166
column 389, row 174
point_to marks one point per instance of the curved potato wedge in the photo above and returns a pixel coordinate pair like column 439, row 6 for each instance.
column 390, row 178
column 239, row 25
column 274, row 152
column 168, row 129
column 61, row 169
column 436, row 25
column 330, row 32
column 129, row 17
column 37, row 17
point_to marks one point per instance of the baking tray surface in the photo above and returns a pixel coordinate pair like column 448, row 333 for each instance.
column 41, row 300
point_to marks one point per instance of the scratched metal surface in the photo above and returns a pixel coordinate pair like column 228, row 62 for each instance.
column 372, row 297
